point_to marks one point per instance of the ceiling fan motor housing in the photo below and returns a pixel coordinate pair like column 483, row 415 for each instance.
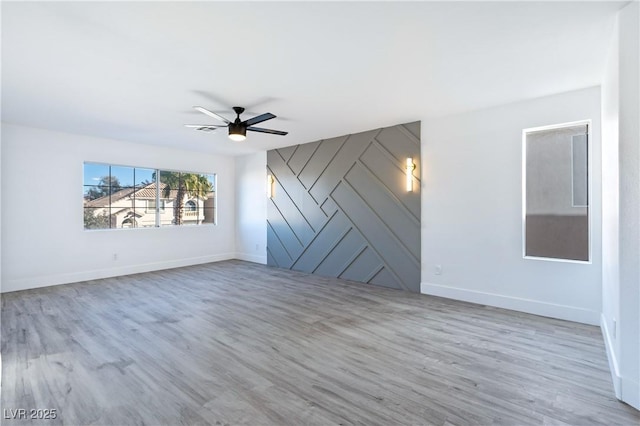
column 237, row 128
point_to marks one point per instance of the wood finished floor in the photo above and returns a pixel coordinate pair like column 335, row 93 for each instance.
column 240, row 343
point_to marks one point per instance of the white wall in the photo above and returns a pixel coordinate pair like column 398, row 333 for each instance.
column 621, row 210
column 629, row 146
column 0, row 225
column 610, row 211
column 43, row 240
column 251, row 207
column 472, row 211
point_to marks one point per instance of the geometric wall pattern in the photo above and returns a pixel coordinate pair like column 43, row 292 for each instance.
column 340, row 208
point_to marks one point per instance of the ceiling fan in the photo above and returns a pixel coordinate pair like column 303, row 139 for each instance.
column 237, row 128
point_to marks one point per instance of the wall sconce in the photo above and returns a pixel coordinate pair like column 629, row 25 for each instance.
column 270, row 186
column 410, row 167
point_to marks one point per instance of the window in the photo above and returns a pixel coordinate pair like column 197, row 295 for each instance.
column 131, row 197
column 556, row 192
column 151, row 205
column 179, row 190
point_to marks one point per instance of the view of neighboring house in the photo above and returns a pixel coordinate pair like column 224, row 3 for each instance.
column 136, row 208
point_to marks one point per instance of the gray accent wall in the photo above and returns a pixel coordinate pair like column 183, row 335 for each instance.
column 340, row 207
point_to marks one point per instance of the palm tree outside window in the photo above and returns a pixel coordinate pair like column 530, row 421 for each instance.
column 180, row 185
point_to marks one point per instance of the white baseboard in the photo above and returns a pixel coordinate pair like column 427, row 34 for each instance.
column 630, row 392
column 9, row 285
column 252, row 258
column 626, row 390
column 569, row 313
column 613, row 362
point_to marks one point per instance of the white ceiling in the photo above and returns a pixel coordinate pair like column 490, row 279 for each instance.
column 133, row 70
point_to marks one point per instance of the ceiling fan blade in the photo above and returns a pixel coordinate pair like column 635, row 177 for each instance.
column 259, row 119
column 205, row 125
column 273, row 132
column 211, row 114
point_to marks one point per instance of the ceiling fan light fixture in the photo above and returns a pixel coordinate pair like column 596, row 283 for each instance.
column 237, row 137
column 238, row 128
column 237, row 132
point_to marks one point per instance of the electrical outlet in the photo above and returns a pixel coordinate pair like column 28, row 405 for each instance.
column 615, row 328
column 115, row 256
column 257, row 247
column 438, row 269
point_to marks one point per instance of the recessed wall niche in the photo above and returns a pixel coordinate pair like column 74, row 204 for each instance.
column 341, row 207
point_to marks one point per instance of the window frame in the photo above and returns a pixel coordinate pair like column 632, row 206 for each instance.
column 590, row 207
column 160, row 203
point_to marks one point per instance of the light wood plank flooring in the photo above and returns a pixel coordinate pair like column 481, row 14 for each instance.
column 240, row 343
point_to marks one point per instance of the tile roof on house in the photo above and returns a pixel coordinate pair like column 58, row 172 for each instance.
column 147, row 192
column 106, row 200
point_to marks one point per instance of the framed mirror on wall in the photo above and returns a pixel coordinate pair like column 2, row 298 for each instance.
column 556, row 192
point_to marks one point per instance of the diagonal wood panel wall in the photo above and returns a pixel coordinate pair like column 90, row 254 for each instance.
column 340, row 208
